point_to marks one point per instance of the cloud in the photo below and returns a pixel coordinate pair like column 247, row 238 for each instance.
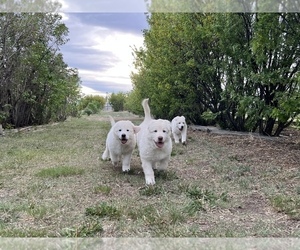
column 89, row 91
column 100, row 47
column 103, row 6
column 124, row 22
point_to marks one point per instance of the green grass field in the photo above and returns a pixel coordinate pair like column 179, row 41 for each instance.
column 53, row 184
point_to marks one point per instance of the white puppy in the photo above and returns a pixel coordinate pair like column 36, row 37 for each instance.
column 120, row 143
column 179, row 129
column 154, row 143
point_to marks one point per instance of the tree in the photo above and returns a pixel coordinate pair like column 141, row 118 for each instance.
column 133, row 103
column 36, row 85
column 91, row 104
column 239, row 69
column 117, row 101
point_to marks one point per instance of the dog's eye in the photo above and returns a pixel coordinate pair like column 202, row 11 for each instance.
column 164, row 131
column 127, row 130
column 155, row 131
column 120, row 130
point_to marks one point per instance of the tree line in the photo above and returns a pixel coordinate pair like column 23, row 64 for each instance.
column 239, row 70
column 36, row 85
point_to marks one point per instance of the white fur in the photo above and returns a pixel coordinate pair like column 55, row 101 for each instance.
column 120, row 143
column 154, row 143
column 179, row 129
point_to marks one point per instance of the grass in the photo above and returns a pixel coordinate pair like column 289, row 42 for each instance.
column 102, row 189
column 59, row 171
column 287, row 204
column 90, row 228
column 103, row 210
column 151, row 190
column 203, row 199
column 52, row 184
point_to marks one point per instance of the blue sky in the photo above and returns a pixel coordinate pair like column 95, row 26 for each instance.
column 101, row 41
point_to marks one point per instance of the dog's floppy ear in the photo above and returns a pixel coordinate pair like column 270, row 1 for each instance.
column 136, row 129
column 168, row 124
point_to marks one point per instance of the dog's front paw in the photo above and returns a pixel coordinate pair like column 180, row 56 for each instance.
column 104, row 158
column 150, row 180
column 125, row 169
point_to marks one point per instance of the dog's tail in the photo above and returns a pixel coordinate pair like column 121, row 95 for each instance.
column 146, row 109
column 112, row 121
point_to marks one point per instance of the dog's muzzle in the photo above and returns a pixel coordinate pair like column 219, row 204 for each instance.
column 123, row 139
column 160, row 142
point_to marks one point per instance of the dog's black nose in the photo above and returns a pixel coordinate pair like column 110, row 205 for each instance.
column 160, row 138
column 123, row 136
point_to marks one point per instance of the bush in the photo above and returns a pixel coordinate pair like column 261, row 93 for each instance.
column 117, row 101
column 91, row 104
column 98, row 101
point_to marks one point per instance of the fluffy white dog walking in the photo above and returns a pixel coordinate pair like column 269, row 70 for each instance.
column 179, row 129
column 154, row 143
column 120, row 143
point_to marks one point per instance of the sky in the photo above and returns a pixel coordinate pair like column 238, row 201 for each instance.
column 101, row 42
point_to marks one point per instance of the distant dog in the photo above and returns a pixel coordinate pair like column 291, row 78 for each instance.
column 120, row 143
column 179, row 129
column 154, row 144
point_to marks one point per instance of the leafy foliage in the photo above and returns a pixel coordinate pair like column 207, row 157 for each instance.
column 240, row 70
column 36, row 85
column 91, row 104
column 117, row 101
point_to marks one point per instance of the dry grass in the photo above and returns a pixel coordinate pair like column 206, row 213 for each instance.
column 53, row 184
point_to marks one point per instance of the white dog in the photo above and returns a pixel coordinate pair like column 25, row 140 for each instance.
column 179, row 129
column 120, row 143
column 154, row 143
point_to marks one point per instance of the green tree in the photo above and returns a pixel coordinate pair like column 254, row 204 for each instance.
column 239, row 69
column 133, row 102
column 262, row 70
column 117, row 101
column 98, row 100
column 91, row 104
column 180, row 66
column 36, row 85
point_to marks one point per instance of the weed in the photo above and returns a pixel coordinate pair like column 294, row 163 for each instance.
column 90, row 228
column 102, row 189
column 56, row 172
column 103, row 210
column 151, row 190
column 150, row 215
column 37, row 212
column 287, row 205
column 166, row 175
column 176, row 215
column 202, row 199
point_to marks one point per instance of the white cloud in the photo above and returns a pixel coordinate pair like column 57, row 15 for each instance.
column 120, row 44
column 84, row 90
column 64, row 5
column 102, row 56
column 103, row 6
